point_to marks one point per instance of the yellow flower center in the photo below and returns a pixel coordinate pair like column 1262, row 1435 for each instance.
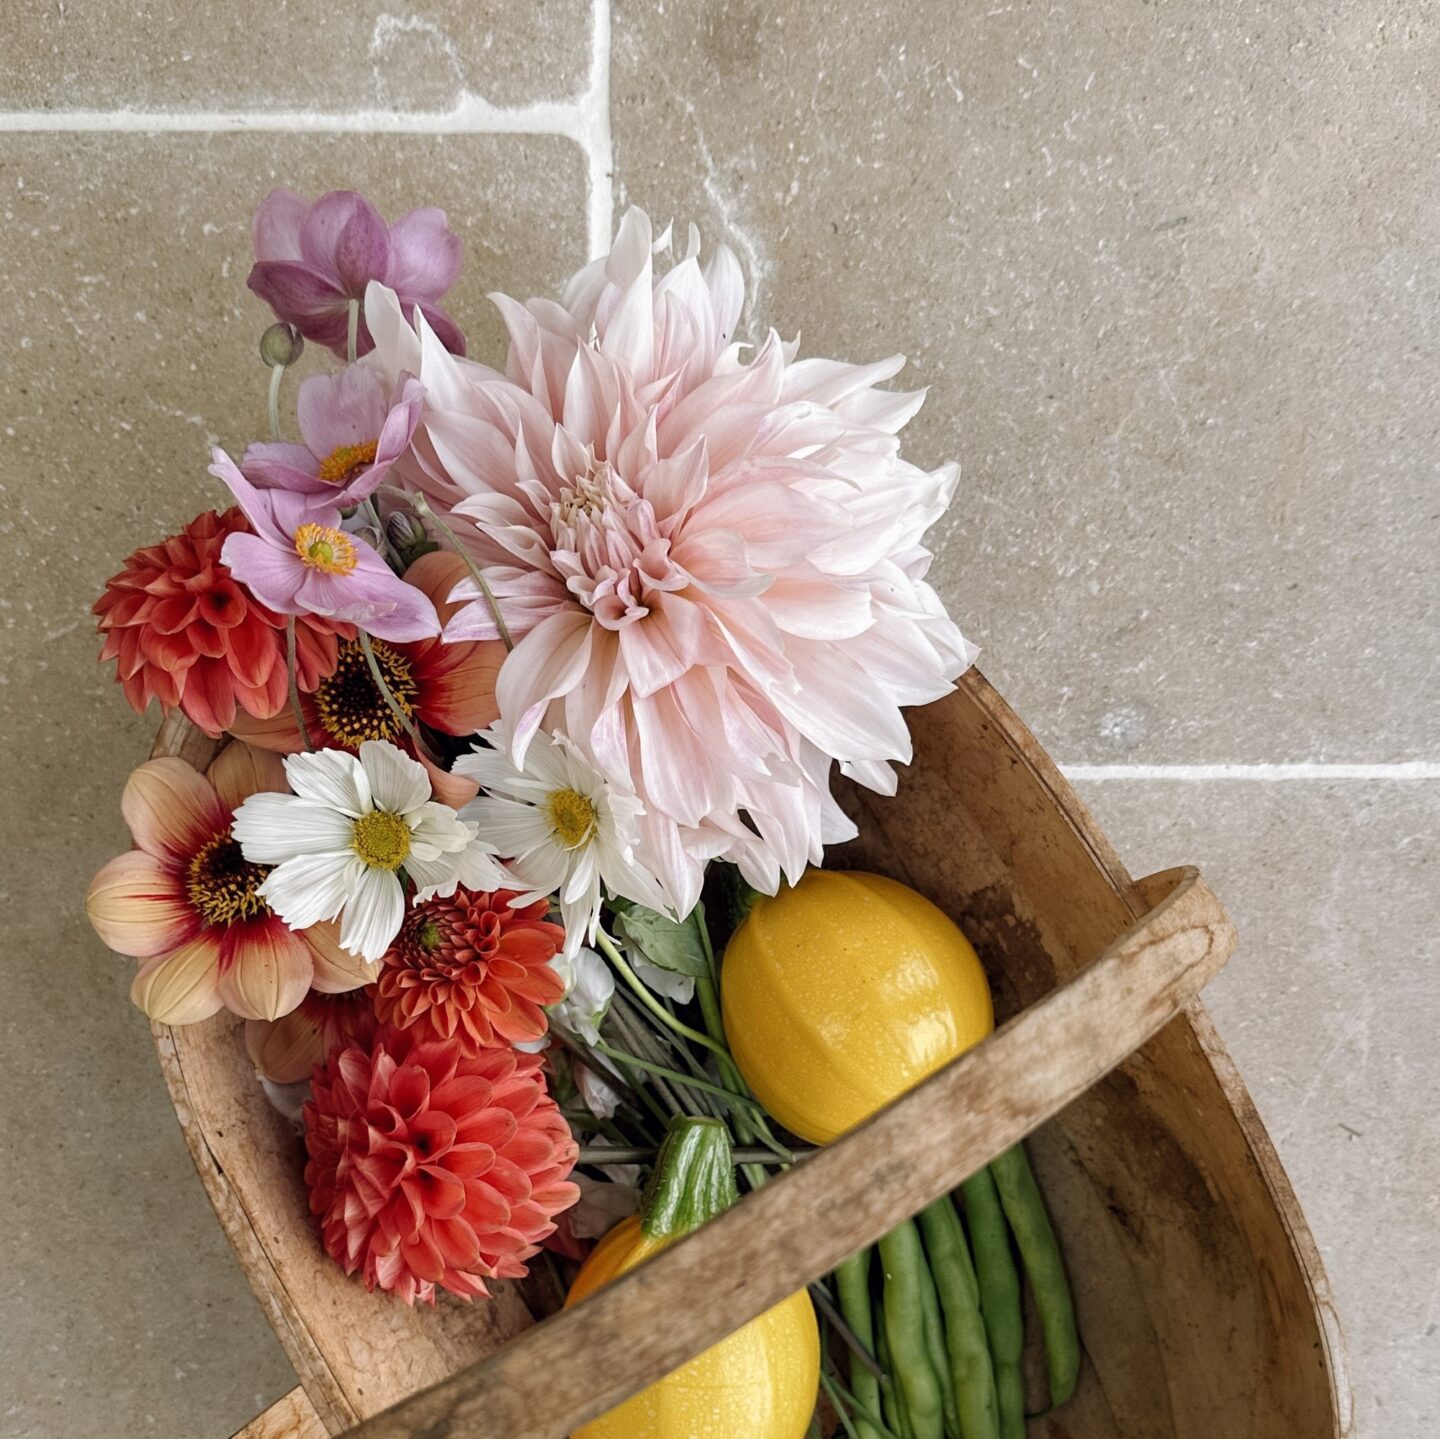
column 572, row 817
column 221, row 883
column 349, row 702
column 381, row 839
column 341, row 464
column 326, row 549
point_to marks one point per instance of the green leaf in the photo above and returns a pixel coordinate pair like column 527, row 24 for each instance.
column 679, row 948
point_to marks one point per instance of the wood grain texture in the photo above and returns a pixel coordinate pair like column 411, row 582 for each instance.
column 1203, row 1304
column 292, row 1416
column 795, row 1230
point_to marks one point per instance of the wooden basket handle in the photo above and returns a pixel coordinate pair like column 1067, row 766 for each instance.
column 585, row 1360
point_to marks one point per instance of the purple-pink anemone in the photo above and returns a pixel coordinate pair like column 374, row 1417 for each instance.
column 352, row 432
column 312, row 260
column 300, row 562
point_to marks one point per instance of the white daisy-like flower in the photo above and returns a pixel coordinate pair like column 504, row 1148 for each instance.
column 340, row 843
column 565, row 828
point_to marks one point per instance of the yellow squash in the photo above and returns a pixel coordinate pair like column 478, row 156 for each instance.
column 843, row 992
column 761, row 1382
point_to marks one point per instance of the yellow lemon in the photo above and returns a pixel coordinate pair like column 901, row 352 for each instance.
column 759, row 1383
column 843, row 992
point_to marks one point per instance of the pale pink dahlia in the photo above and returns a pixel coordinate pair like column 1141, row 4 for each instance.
column 711, row 560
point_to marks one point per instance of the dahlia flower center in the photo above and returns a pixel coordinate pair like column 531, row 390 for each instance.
column 381, row 839
column 324, row 548
column 572, row 817
column 342, row 464
column 221, row 883
column 349, row 703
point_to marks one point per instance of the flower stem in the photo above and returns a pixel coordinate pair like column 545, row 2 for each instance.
column 277, row 373
column 404, row 719
column 293, row 683
column 642, row 1154
column 611, row 952
column 352, row 331
column 423, row 505
column 673, row 1075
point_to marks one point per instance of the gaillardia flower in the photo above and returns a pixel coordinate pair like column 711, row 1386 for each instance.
column 300, row 561
column 711, row 561
column 187, row 902
column 312, row 260
column 433, row 1167
column 471, row 968
column 341, row 842
column 182, row 630
column 352, row 432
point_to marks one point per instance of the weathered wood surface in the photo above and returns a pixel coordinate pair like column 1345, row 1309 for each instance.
column 1203, row 1305
column 796, row 1229
column 292, row 1416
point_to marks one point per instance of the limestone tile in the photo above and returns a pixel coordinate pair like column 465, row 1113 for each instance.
column 1172, row 276
column 301, row 56
column 130, row 349
column 1331, row 1008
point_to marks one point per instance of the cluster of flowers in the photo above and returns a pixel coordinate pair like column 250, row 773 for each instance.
column 492, row 645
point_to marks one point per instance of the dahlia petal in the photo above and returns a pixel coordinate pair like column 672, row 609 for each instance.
column 279, row 733
column 286, row 1050
column 138, row 906
column 239, row 771
column 171, row 810
column 265, row 969
column 337, row 971
column 546, row 663
column 182, row 987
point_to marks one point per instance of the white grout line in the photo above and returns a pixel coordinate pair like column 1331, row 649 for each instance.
column 584, row 120
column 1261, row 773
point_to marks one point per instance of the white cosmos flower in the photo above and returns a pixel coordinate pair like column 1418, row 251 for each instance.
column 339, row 841
column 565, row 829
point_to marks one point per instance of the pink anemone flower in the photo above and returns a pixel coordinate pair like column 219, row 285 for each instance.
column 312, row 260
column 352, row 431
column 185, row 900
column 300, row 562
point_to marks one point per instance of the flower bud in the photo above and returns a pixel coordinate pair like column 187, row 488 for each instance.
column 407, row 535
column 281, row 345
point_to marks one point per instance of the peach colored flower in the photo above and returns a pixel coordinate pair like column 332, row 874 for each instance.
column 432, row 1167
column 186, row 901
column 285, row 1050
column 472, row 968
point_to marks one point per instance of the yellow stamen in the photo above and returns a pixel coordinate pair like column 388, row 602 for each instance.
column 221, row 883
column 572, row 817
column 381, row 839
column 351, row 708
column 341, row 464
column 326, row 549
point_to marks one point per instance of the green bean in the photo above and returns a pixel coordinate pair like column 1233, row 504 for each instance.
column 999, row 1286
column 902, row 1260
column 935, row 1351
column 969, row 1352
column 852, row 1280
column 892, row 1406
column 1025, row 1209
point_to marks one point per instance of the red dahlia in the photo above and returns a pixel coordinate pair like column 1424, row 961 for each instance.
column 185, row 632
column 432, row 1167
column 472, row 969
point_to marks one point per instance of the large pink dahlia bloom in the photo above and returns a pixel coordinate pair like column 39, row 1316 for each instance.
column 711, row 559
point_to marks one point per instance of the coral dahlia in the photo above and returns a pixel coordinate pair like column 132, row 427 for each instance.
column 432, row 1167
column 184, row 631
column 711, row 562
column 472, row 968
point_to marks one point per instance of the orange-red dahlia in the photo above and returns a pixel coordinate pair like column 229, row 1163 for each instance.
column 449, row 687
column 432, row 1167
column 471, row 968
column 285, row 1050
column 185, row 632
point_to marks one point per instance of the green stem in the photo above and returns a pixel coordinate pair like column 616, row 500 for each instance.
column 352, row 331
column 293, row 683
column 277, row 373
column 674, row 1075
column 423, row 505
column 611, row 952
column 401, row 717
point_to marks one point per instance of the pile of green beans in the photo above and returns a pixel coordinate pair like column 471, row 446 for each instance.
column 945, row 1320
